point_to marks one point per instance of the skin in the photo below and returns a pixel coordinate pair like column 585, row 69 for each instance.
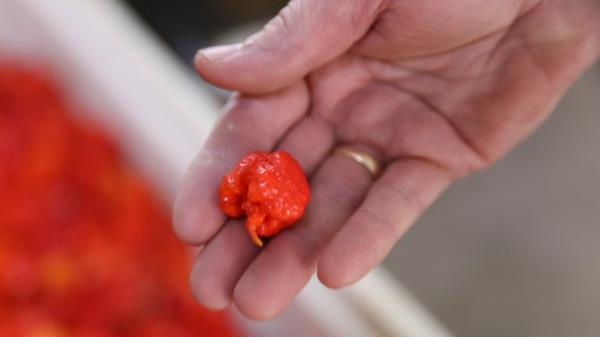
column 434, row 89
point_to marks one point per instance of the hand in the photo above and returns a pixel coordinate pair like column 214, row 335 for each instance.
column 435, row 89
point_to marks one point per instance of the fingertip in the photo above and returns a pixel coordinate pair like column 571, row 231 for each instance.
column 347, row 259
column 180, row 222
column 218, row 267
column 332, row 274
column 212, row 64
column 218, row 53
column 209, row 61
column 234, row 67
column 252, row 307
column 190, row 218
column 206, row 291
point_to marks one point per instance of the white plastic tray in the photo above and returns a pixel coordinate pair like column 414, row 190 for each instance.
column 106, row 61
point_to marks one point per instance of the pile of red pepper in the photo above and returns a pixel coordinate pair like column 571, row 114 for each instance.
column 85, row 249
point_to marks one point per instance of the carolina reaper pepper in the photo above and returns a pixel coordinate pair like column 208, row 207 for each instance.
column 269, row 188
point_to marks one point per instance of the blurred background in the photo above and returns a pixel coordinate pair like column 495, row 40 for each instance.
column 513, row 251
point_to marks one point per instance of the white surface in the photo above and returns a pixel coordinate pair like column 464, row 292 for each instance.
column 108, row 63
column 390, row 308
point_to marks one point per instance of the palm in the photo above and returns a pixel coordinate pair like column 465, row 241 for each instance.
column 432, row 107
column 461, row 104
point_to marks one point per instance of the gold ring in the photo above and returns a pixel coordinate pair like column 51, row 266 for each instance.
column 363, row 158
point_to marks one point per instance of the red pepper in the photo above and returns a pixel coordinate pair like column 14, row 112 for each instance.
column 269, row 188
column 85, row 247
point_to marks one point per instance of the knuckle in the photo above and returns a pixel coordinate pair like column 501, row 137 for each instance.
column 406, row 193
column 363, row 12
column 387, row 227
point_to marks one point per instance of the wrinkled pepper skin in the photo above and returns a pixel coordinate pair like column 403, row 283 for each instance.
column 270, row 189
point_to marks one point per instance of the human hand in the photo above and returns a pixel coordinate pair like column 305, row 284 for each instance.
column 434, row 89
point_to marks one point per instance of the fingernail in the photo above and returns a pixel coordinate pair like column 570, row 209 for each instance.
column 219, row 53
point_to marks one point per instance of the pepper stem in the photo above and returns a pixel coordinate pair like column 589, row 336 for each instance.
column 252, row 222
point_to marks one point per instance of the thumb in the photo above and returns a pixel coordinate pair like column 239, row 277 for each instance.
column 305, row 35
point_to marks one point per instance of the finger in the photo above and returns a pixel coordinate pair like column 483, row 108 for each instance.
column 286, row 264
column 396, row 199
column 304, row 36
column 309, row 142
column 220, row 264
column 419, row 28
column 250, row 123
column 224, row 258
